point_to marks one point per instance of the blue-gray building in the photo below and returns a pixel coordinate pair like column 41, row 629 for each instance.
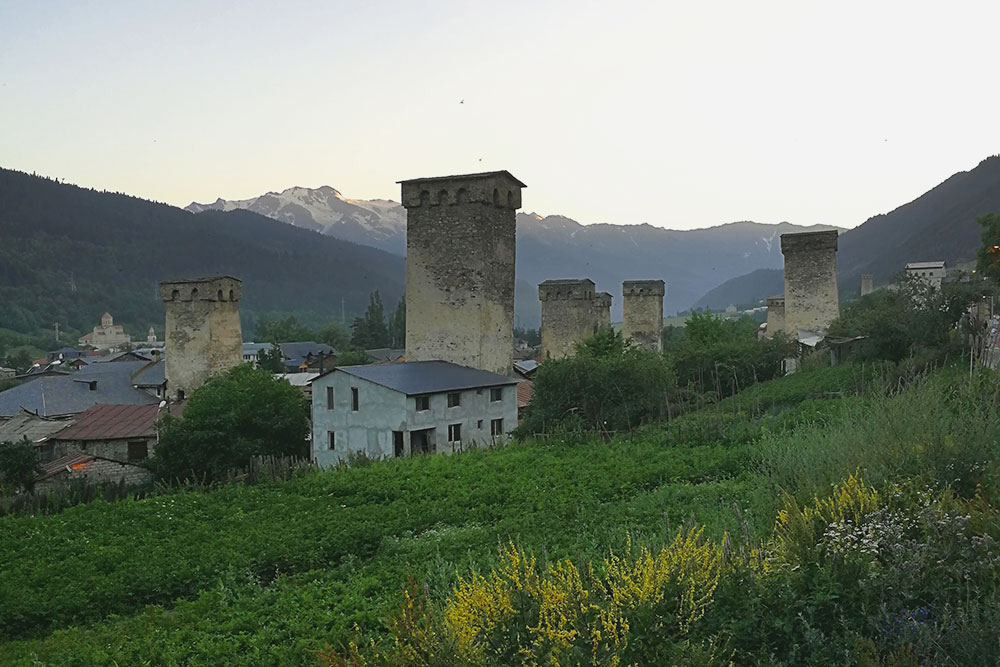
column 409, row 408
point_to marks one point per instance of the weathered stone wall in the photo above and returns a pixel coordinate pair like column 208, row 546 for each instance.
column 203, row 333
column 775, row 315
column 811, row 298
column 866, row 284
column 460, row 246
column 642, row 312
column 571, row 312
column 602, row 309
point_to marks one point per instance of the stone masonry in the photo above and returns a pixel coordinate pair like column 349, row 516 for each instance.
column 602, row 309
column 642, row 312
column 460, row 248
column 203, row 334
column 811, row 298
column 866, row 284
column 775, row 315
column 571, row 312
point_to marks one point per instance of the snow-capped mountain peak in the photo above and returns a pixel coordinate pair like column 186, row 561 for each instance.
column 377, row 222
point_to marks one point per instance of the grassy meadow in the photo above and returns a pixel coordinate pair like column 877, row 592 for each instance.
column 755, row 516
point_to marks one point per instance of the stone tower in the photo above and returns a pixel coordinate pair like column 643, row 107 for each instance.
column 642, row 312
column 866, row 284
column 775, row 315
column 811, row 301
column 203, row 334
column 460, row 244
column 602, row 309
column 571, row 312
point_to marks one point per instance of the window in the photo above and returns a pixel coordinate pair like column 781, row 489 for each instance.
column 423, row 403
column 397, row 443
column 496, row 394
column 454, row 433
column 331, row 440
column 354, row 399
column 454, row 399
column 479, row 424
column 329, row 398
column 496, row 427
column 137, row 450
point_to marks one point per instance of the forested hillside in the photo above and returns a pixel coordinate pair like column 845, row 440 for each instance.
column 67, row 254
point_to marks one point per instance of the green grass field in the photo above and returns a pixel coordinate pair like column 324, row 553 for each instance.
column 268, row 574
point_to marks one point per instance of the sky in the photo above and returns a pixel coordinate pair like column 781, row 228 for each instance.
column 677, row 114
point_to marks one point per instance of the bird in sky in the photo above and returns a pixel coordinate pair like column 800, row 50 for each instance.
column 462, row 102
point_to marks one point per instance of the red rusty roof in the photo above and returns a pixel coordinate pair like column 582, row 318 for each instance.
column 111, row 422
column 75, row 461
column 525, row 391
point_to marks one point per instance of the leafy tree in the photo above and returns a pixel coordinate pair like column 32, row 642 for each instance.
column 988, row 255
column 354, row 358
column 397, row 325
column 721, row 356
column 281, row 330
column 234, row 416
column 335, row 336
column 271, row 359
column 18, row 466
column 370, row 330
column 607, row 385
column 913, row 320
column 532, row 337
column 20, row 361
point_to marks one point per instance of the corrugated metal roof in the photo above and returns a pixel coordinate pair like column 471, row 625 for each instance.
column 59, row 465
column 113, row 422
column 26, row 425
column 426, row 377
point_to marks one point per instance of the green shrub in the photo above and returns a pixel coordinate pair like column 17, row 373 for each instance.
column 233, row 417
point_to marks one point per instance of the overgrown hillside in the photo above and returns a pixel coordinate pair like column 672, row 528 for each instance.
column 67, row 254
column 266, row 575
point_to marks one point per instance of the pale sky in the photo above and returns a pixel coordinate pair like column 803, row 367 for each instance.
column 679, row 114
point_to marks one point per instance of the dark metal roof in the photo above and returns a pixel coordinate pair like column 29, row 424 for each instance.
column 483, row 174
column 69, row 394
column 427, row 377
column 113, row 422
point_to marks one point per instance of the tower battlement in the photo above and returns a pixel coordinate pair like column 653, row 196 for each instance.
column 642, row 312
column 573, row 288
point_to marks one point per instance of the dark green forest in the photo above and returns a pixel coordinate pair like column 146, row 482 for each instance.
column 67, row 254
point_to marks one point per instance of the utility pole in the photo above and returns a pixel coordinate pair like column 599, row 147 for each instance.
column 57, row 332
column 343, row 318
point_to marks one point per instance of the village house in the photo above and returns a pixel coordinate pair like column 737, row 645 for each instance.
column 35, row 429
column 123, row 433
column 932, row 273
column 409, row 408
column 298, row 357
column 90, row 469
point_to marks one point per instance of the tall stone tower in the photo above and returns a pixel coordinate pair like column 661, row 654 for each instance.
column 866, row 284
column 602, row 309
column 775, row 315
column 571, row 312
column 811, row 299
column 460, row 245
column 642, row 312
column 203, row 334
